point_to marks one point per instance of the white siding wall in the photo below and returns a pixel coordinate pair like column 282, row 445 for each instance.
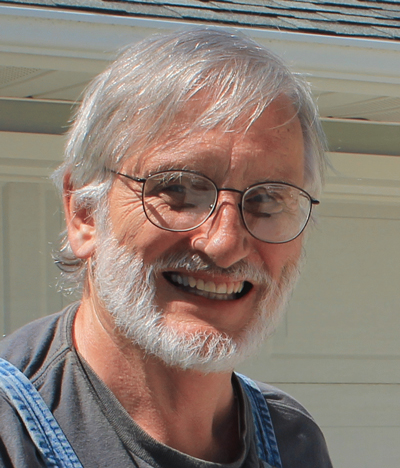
column 30, row 222
column 337, row 350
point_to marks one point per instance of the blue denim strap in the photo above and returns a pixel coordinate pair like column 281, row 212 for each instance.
column 267, row 445
column 43, row 429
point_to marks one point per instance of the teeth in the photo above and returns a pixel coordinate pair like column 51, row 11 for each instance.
column 192, row 282
column 174, row 278
column 221, row 289
column 211, row 289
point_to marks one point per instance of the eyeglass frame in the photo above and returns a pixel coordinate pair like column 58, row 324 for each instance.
column 143, row 180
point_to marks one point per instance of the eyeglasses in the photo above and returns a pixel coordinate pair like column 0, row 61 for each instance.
column 273, row 212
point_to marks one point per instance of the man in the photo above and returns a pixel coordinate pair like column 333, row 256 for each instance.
column 186, row 188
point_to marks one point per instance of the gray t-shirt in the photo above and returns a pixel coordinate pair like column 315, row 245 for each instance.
column 101, row 431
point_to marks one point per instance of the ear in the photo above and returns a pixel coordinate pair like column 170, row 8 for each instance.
column 80, row 224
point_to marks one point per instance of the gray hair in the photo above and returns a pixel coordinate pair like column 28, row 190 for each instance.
column 133, row 104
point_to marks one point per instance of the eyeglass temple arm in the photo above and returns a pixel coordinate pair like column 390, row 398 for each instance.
column 136, row 179
column 314, row 201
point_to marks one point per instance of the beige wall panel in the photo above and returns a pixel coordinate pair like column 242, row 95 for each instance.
column 364, row 448
column 30, row 221
column 22, row 242
column 2, row 266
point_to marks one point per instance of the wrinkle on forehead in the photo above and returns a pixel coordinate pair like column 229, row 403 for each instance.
column 278, row 121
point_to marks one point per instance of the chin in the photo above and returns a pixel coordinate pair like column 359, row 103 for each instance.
column 127, row 289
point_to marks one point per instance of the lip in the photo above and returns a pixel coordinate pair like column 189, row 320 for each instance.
column 207, row 287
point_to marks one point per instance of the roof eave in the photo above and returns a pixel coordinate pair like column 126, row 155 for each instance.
column 85, row 41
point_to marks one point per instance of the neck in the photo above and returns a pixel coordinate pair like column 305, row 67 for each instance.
column 187, row 410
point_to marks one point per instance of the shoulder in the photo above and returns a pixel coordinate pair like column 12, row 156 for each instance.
column 296, row 429
column 16, row 447
column 37, row 349
column 277, row 398
column 37, row 344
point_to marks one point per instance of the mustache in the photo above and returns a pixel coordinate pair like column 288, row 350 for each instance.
column 194, row 262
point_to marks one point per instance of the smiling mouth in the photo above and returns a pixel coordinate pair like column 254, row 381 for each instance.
column 222, row 291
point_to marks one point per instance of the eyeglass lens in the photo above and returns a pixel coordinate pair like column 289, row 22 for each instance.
column 275, row 212
column 178, row 201
column 181, row 201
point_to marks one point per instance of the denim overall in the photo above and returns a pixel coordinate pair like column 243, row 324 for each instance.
column 57, row 452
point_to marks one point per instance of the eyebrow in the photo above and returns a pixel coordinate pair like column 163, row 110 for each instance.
column 172, row 167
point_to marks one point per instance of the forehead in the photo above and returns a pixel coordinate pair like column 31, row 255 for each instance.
column 271, row 148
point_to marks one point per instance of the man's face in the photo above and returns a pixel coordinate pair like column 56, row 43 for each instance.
column 220, row 255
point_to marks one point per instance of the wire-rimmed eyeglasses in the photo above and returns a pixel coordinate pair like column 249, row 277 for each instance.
column 179, row 201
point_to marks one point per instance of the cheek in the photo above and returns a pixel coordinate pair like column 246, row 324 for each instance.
column 126, row 215
column 153, row 243
column 133, row 230
column 277, row 256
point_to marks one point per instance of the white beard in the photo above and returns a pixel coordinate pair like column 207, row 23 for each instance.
column 127, row 290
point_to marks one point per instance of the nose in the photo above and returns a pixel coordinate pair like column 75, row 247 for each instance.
column 223, row 237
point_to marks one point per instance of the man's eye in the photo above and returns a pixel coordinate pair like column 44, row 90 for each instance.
column 173, row 189
column 174, row 195
column 263, row 204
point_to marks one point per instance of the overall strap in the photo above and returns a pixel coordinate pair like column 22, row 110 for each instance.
column 40, row 423
column 267, row 446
